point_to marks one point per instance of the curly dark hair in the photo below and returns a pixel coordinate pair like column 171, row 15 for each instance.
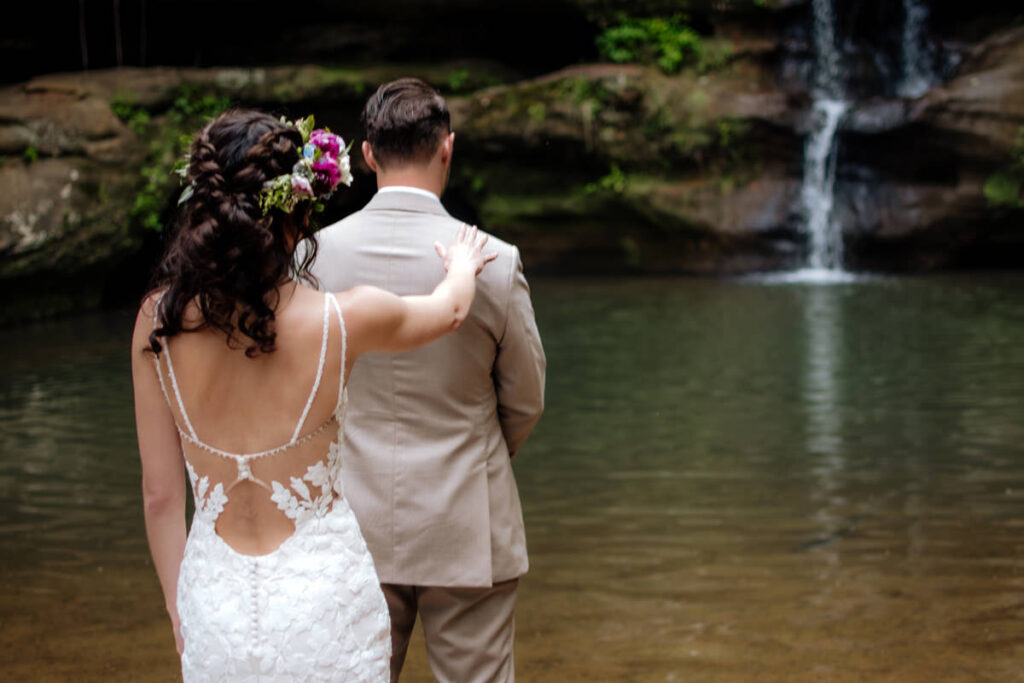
column 225, row 256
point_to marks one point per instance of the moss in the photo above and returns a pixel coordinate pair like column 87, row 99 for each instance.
column 457, row 80
column 581, row 90
column 135, row 117
column 537, row 111
column 31, row 153
column 1005, row 187
column 191, row 107
column 614, row 182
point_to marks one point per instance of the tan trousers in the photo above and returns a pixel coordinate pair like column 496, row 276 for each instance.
column 469, row 631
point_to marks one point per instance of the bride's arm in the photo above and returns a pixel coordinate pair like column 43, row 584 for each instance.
column 381, row 321
column 163, row 478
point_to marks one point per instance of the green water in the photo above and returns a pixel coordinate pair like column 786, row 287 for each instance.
column 733, row 480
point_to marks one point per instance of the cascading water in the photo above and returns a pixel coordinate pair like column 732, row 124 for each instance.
column 829, row 105
column 817, row 193
column 918, row 64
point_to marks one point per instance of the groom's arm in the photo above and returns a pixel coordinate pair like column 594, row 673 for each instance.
column 520, row 364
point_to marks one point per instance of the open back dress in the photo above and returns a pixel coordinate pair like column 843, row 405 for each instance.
column 312, row 608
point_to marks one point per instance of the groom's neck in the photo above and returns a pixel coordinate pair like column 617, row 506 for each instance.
column 424, row 177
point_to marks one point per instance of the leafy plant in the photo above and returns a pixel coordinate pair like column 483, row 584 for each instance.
column 31, row 153
column 457, row 80
column 537, row 111
column 190, row 109
column 1005, row 188
column 666, row 41
column 614, row 181
column 135, row 117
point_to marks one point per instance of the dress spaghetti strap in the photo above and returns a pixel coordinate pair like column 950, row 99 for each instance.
column 192, row 437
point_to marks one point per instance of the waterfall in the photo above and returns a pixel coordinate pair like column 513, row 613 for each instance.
column 918, row 68
column 828, row 75
column 817, row 194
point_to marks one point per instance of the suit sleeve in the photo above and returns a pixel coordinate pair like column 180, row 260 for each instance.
column 520, row 365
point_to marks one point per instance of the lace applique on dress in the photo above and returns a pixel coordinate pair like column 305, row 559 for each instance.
column 311, row 610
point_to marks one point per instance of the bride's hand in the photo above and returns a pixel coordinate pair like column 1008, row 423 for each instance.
column 467, row 249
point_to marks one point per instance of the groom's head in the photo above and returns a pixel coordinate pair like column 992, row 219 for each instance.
column 408, row 128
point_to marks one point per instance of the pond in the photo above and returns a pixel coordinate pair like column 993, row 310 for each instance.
column 733, row 480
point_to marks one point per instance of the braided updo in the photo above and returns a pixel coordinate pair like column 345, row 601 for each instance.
column 226, row 257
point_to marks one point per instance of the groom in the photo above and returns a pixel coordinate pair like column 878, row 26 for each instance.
column 430, row 433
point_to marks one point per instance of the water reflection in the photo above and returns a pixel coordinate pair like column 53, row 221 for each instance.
column 732, row 481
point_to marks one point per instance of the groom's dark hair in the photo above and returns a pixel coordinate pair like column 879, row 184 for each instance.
column 405, row 121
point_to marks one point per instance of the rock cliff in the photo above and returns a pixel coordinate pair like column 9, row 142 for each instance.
column 592, row 167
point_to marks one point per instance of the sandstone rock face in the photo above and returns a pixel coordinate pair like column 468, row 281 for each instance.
column 71, row 171
column 910, row 193
column 596, row 167
column 710, row 166
column 688, row 172
column 65, row 193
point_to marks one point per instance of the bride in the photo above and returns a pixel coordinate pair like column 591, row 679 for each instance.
column 239, row 376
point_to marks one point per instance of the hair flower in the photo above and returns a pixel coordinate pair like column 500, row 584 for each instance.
column 327, row 142
column 323, row 164
column 301, row 187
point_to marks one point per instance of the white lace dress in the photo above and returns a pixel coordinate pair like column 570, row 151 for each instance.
column 311, row 610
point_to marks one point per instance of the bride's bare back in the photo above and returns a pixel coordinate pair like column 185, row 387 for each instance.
column 246, row 423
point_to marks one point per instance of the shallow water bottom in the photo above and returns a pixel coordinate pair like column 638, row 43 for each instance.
column 719, row 624
column 733, row 481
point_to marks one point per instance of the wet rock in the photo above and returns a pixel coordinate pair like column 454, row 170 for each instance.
column 912, row 195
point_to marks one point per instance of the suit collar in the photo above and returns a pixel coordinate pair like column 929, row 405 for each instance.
column 405, row 201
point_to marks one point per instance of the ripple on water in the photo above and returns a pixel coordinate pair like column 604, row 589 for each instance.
column 733, row 480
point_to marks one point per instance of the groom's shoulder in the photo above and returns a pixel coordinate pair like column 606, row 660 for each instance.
column 437, row 226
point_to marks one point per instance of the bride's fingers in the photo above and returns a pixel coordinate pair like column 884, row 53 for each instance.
column 490, row 257
column 461, row 234
column 439, row 248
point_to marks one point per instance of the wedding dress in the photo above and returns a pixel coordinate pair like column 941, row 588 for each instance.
column 310, row 610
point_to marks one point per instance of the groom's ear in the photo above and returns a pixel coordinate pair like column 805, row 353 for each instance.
column 368, row 156
column 448, row 147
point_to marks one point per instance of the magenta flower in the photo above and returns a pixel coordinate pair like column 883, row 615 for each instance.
column 329, row 143
column 326, row 173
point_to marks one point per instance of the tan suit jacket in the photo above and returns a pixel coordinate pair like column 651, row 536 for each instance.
column 429, row 433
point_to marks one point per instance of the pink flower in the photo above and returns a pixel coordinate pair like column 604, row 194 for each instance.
column 301, row 186
column 326, row 173
column 329, row 143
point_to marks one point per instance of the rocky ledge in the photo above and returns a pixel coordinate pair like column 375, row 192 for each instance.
column 595, row 167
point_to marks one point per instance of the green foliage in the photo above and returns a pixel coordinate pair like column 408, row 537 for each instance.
column 1005, row 188
column 537, row 112
column 190, row 109
column 31, row 153
column 666, row 41
column 580, row 90
column 191, row 102
column 136, row 118
column 731, row 132
column 457, row 80
column 614, row 181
